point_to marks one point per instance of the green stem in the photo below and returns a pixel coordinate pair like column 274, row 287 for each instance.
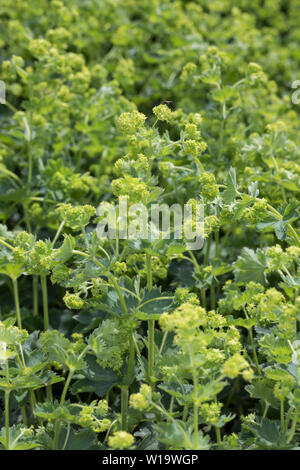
column 151, row 324
column 32, row 402
column 26, row 218
column 254, row 352
column 194, row 261
column 131, row 354
column 196, row 426
column 117, row 246
column 253, row 345
column 49, row 393
column 163, row 343
column 125, row 388
column 62, row 401
column 124, row 407
column 67, row 436
column 17, row 302
column 149, row 271
column 293, row 428
column 286, row 425
column 6, row 400
column 45, row 302
column 203, row 296
column 221, row 136
column 217, row 243
column 171, row 404
column 197, row 161
column 6, row 406
column 213, row 288
column 219, row 440
column 197, row 268
column 151, row 344
column 35, row 296
column 58, row 233
column 265, row 410
column 4, row 243
column 29, row 163
column 282, row 415
column 46, row 322
column 294, row 234
column 170, row 418
column 11, row 107
column 65, row 390
column 118, row 290
column 195, row 386
column 185, row 413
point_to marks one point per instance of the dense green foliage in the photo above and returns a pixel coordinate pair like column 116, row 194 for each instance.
column 138, row 344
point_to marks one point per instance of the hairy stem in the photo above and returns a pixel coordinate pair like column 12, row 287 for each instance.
column 286, row 424
column 282, row 415
column 6, row 406
column 293, row 428
column 17, row 302
column 219, row 440
column 6, row 401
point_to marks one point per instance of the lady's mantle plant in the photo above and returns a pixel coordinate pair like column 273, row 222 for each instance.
column 113, row 343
